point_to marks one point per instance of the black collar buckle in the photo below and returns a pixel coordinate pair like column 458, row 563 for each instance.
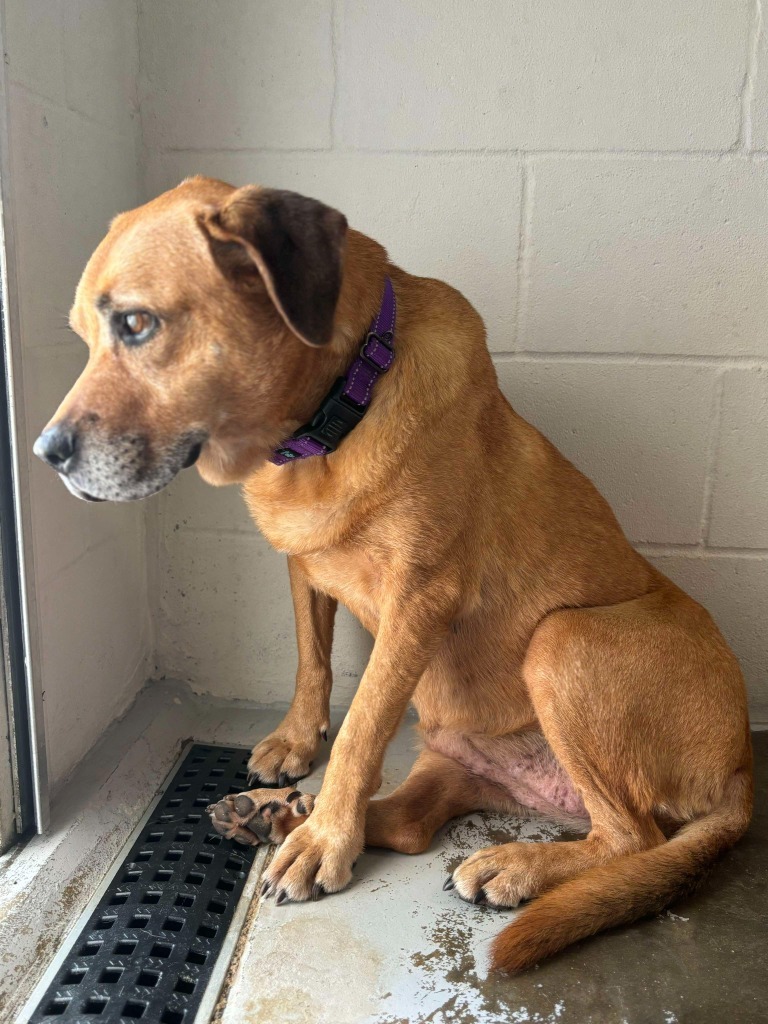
column 335, row 418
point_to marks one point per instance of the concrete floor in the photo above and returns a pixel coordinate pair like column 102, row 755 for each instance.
column 395, row 949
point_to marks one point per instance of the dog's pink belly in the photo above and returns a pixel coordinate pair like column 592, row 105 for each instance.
column 523, row 764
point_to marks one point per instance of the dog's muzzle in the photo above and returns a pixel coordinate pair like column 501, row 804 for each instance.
column 124, row 468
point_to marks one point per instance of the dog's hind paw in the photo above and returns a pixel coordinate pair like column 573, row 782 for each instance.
column 261, row 815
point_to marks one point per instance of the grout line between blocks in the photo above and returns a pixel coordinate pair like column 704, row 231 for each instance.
column 497, row 153
column 710, row 477
column 699, row 551
column 634, row 358
column 694, row 550
column 744, row 141
column 528, row 182
column 335, row 35
column 143, row 160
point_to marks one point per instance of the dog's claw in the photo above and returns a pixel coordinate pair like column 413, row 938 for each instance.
column 282, row 780
column 324, row 734
column 317, row 892
column 449, row 884
column 282, row 897
column 266, row 888
column 253, row 778
column 479, row 896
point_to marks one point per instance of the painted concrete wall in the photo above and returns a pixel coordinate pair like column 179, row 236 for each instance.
column 71, row 70
column 593, row 176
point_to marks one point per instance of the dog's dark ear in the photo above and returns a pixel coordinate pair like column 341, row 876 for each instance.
column 296, row 246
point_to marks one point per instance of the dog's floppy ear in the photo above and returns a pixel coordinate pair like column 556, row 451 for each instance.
column 293, row 243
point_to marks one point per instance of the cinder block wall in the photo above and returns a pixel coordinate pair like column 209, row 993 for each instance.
column 74, row 147
column 593, row 176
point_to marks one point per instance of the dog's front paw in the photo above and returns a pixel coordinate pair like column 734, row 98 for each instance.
column 285, row 756
column 261, row 815
column 315, row 859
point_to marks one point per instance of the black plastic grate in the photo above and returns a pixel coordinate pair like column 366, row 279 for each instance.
column 148, row 950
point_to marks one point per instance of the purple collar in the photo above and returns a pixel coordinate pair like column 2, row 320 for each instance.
column 348, row 400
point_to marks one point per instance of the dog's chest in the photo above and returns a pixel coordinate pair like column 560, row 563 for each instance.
column 317, row 536
column 352, row 576
column 292, row 531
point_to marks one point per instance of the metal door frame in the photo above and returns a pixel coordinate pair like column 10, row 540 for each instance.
column 18, row 605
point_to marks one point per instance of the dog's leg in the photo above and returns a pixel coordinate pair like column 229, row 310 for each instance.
column 323, row 849
column 437, row 789
column 643, row 705
column 503, row 876
column 286, row 755
column 628, row 756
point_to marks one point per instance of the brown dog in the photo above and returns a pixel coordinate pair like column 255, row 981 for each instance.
column 551, row 666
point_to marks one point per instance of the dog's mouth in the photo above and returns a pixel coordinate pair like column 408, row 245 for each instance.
column 193, row 456
column 78, row 492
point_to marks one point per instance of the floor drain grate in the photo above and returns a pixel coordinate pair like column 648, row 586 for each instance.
column 148, row 949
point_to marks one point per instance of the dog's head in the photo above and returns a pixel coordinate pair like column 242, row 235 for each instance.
column 205, row 313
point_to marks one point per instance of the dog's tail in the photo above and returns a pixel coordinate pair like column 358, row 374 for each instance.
column 627, row 888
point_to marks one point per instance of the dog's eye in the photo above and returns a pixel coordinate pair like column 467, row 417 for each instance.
column 135, row 327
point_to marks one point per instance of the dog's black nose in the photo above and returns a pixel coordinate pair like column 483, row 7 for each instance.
column 57, row 446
